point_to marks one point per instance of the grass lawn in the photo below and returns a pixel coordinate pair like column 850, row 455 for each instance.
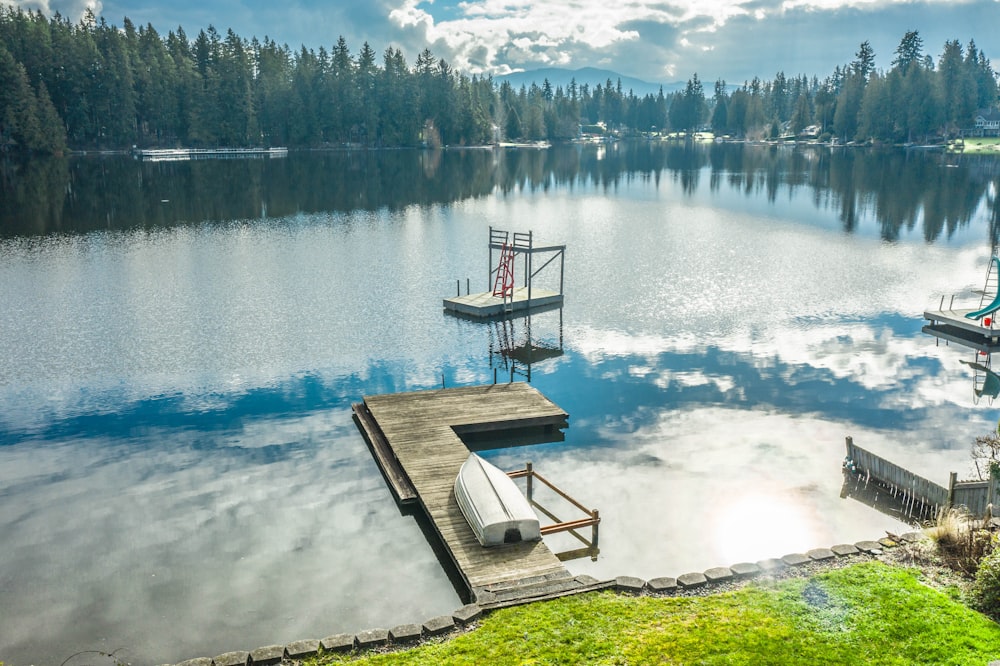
column 989, row 146
column 868, row 613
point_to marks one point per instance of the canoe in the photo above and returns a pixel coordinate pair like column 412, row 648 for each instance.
column 493, row 505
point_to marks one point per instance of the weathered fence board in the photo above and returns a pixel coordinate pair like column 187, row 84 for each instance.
column 922, row 498
column 976, row 496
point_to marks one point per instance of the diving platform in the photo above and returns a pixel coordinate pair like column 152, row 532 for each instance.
column 517, row 253
column 421, row 446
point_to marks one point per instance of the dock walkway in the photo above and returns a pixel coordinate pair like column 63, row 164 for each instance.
column 421, row 432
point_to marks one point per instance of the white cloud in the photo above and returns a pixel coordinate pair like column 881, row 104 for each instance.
column 488, row 34
column 654, row 39
column 71, row 9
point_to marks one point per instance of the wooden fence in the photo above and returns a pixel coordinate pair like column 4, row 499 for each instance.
column 919, row 498
column 977, row 496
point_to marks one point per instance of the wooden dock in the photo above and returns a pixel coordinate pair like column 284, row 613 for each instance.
column 422, row 446
column 485, row 305
column 951, row 325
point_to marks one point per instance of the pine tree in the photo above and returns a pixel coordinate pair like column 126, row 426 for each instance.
column 52, row 134
column 909, row 52
column 720, row 113
column 958, row 89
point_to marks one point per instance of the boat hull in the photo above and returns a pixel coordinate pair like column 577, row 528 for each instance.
column 493, row 505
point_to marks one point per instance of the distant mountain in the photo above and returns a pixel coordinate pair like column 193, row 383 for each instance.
column 590, row 75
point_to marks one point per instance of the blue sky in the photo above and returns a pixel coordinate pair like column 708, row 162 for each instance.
column 658, row 40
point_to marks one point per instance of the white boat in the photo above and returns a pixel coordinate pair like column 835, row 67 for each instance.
column 493, row 505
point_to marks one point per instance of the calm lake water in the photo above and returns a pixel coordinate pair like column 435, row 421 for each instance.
column 180, row 344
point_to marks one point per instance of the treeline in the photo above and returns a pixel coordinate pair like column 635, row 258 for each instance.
column 114, row 88
column 91, row 85
column 914, row 100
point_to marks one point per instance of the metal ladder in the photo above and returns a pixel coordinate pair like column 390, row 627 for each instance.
column 503, row 283
column 992, row 284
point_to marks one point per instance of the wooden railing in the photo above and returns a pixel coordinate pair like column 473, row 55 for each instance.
column 592, row 520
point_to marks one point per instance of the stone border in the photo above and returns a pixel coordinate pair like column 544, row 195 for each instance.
column 407, row 635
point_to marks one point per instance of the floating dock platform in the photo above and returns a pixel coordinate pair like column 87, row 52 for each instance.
column 416, row 439
column 952, row 325
column 485, row 305
column 517, row 254
column 178, row 154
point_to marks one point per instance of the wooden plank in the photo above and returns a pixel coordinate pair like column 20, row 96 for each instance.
column 895, row 477
column 394, row 475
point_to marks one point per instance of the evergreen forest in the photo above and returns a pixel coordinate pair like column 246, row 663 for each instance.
column 94, row 86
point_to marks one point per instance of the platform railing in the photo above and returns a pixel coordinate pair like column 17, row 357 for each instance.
column 592, row 519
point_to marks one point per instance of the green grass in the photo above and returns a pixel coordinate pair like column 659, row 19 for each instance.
column 986, row 145
column 867, row 613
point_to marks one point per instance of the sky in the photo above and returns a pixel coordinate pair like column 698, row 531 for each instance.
column 661, row 41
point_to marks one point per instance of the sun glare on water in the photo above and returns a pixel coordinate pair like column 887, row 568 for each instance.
column 762, row 525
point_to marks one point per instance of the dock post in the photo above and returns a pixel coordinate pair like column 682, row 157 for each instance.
column 528, row 266
column 952, row 480
column 528, row 468
column 467, row 286
column 562, row 269
column 489, row 269
column 458, row 288
column 596, row 515
column 989, row 495
column 494, row 375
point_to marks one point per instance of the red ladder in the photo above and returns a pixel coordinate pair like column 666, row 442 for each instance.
column 503, row 286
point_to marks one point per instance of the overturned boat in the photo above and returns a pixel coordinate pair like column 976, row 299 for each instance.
column 493, row 504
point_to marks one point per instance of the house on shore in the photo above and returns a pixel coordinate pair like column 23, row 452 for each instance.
column 987, row 124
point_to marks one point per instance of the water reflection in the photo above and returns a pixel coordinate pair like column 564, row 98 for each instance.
column 177, row 532
column 178, row 468
column 902, row 191
column 516, row 343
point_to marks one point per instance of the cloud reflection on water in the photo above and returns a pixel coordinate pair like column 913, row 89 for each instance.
column 195, row 544
column 178, row 468
column 713, row 486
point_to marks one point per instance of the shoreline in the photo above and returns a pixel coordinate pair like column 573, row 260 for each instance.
column 893, row 550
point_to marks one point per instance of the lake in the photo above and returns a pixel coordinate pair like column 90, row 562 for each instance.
column 181, row 341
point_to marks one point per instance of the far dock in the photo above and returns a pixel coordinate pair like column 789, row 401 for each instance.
column 177, row 154
column 952, row 325
column 976, row 328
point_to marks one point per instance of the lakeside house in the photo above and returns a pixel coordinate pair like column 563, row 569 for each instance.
column 987, row 123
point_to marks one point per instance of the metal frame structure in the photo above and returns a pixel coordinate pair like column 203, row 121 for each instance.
column 512, row 245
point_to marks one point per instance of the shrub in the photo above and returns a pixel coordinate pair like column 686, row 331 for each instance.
column 962, row 544
column 986, row 588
